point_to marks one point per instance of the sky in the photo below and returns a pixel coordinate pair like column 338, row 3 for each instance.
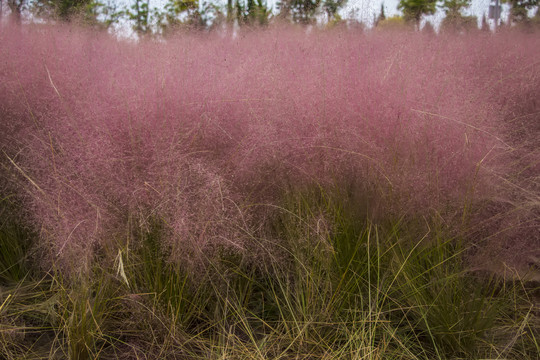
column 477, row 8
column 369, row 7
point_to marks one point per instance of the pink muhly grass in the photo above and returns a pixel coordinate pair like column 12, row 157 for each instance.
column 193, row 130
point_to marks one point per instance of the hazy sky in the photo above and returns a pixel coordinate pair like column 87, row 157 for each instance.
column 369, row 7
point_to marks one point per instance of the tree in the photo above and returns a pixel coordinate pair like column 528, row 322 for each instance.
column 299, row 11
column 65, row 10
column 229, row 11
column 91, row 12
column 331, row 8
column 107, row 13
column 252, row 13
column 262, row 13
column 177, row 14
column 453, row 8
column 352, row 20
column 484, row 26
column 454, row 20
column 428, row 29
column 394, row 23
column 284, row 9
column 536, row 18
column 190, row 15
column 413, row 10
column 519, row 10
column 139, row 13
column 211, row 16
column 381, row 16
column 16, row 7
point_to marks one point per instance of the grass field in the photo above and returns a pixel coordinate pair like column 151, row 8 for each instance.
column 274, row 195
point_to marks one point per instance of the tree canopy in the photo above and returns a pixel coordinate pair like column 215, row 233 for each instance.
column 413, row 10
column 205, row 15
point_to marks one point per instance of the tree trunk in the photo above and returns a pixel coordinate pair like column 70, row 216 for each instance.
column 16, row 7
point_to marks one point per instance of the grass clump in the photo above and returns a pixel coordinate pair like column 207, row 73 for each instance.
column 330, row 196
column 344, row 287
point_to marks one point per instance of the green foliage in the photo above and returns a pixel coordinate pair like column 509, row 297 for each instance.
column 104, row 13
column 395, row 22
column 343, row 267
column 381, row 16
column 454, row 20
column 139, row 14
column 299, row 11
column 179, row 13
column 342, row 287
column 519, row 10
column 65, row 10
column 172, row 290
column 253, row 12
column 413, row 10
column 14, row 247
column 451, row 7
column 459, row 23
column 188, row 15
column 82, row 315
column 88, row 12
column 16, row 7
column 331, row 8
column 26, row 329
column 536, row 18
column 451, row 308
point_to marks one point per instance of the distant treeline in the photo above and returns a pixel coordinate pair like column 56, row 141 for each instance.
column 207, row 15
